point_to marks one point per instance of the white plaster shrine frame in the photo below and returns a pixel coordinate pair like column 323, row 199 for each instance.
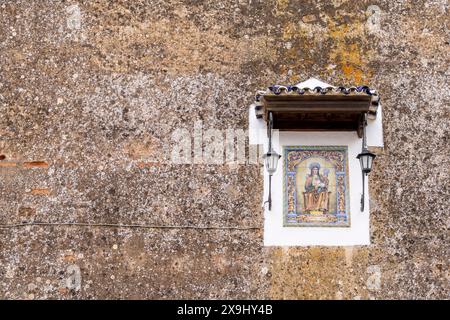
column 275, row 234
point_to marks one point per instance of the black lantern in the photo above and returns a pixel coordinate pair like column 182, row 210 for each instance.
column 271, row 160
column 366, row 160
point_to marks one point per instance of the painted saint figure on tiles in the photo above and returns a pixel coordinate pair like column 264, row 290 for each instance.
column 316, row 190
column 316, row 186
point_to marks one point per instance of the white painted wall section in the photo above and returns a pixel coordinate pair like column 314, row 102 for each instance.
column 359, row 231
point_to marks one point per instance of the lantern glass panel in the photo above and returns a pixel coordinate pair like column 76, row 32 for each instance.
column 369, row 162
column 366, row 162
column 361, row 162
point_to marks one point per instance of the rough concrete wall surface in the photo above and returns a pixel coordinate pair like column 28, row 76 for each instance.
column 92, row 91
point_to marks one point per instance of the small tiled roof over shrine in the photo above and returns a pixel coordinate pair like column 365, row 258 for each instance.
column 316, row 105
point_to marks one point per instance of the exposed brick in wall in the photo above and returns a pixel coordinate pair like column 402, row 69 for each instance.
column 35, row 164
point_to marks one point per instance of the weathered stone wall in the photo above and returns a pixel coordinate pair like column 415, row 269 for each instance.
column 91, row 91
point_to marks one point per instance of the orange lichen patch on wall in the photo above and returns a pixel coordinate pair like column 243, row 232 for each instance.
column 35, row 164
column 353, row 74
column 41, row 191
column 348, row 53
column 351, row 62
column 345, row 45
